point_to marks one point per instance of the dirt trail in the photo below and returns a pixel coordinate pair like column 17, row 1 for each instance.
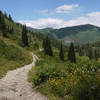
column 14, row 86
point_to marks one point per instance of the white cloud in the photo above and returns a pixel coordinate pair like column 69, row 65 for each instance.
column 66, row 8
column 43, row 23
column 44, row 11
column 94, row 14
column 91, row 18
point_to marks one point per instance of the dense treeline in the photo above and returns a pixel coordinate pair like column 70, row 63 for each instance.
column 3, row 26
column 92, row 50
column 49, row 51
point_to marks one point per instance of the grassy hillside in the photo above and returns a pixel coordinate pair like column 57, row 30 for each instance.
column 12, row 56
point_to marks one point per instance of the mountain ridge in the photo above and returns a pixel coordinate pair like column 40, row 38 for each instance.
column 76, row 33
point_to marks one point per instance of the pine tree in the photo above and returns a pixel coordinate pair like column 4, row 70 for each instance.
column 44, row 44
column 80, row 52
column 71, row 53
column 96, row 54
column 90, row 53
column 0, row 18
column 47, row 47
column 3, row 27
column 10, row 18
column 61, row 53
column 10, row 30
column 24, row 36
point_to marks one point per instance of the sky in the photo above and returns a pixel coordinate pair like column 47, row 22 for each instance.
column 53, row 13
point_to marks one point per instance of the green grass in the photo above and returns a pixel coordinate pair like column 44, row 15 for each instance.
column 12, row 56
column 63, row 80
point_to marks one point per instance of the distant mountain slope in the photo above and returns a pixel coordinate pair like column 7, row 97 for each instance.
column 79, row 34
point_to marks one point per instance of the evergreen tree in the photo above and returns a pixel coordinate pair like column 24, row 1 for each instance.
column 3, row 27
column 96, row 54
column 44, row 44
column 24, row 36
column 71, row 53
column 47, row 47
column 90, row 53
column 0, row 18
column 80, row 51
column 61, row 53
column 10, row 18
column 10, row 30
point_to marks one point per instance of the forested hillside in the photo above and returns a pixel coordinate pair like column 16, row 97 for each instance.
column 79, row 34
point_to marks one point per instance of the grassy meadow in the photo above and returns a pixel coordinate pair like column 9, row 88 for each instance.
column 12, row 56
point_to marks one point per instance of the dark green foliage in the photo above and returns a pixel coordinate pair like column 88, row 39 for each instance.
column 3, row 27
column 61, row 53
column 30, row 36
column 10, row 18
column 87, row 89
column 96, row 54
column 43, row 74
column 10, row 30
column 36, row 46
column 44, row 44
column 47, row 47
column 90, row 53
column 2, row 48
column 71, row 53
column 0, row 18
column 24, row 36
column 80, row 52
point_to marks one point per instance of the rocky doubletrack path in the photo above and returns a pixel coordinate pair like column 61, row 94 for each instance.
column 14, row 86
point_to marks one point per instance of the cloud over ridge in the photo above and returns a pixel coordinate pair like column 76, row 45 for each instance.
column 90, row 18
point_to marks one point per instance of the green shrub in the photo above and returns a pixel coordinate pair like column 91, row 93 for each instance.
column 42, row 74
column 36, row 46
column 14, row 53
column 86, row 89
